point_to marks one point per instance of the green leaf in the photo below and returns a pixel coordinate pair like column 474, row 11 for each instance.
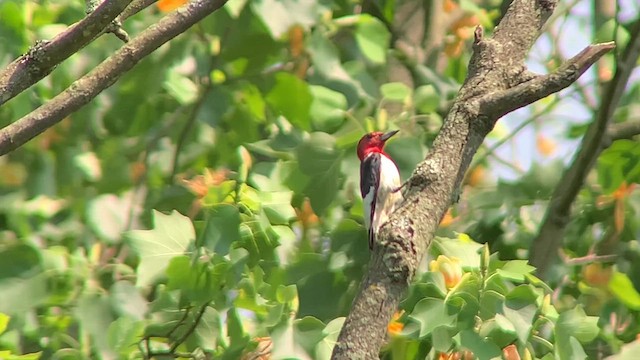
column 235, row 330
column 463, row 248
column 310, row 333
column 19, row 261
column 222, row 228
column 291, row 98
column 108, row 215
column 31, row 356
column 395, row 91
column 622, row 288
column 499, row 330
column 373, row 38
column 442, row 338
column 123, row 335
column 325, row 57
column 575, row 323
column 431, row 313
column 611, row 30
column 330, row 332
column 280, row 15
column 181, row 88
column 277, row 206
column 199, row 281
column 127, row 300
column 19, row 295
column 426, row 99
column 94, row 315
column 520, row 309
column 572, row 351
column 619, row 163
column 251, row 98
column 628, row 351
column 4, row 321
column 319, row 159
column 481, row 348
column 490, row 303
column 515, row 270
column 171, row 236
column 327, row 108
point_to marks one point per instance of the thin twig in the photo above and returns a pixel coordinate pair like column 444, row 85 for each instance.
column 104, row 75
column 135, row 7
column 480, row 158
column 506, row 101
column 624, row 130
column 43, row 57
column 191, row 329
column 548, row 241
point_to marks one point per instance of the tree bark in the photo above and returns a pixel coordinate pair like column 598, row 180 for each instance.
column 43, row 57
column 497, row 83
column 104, row 75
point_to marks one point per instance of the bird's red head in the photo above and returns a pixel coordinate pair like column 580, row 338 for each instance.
column 373, row 142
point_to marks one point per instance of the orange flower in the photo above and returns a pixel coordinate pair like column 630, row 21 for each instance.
column 307, row 217
column 450, row 268
column 170, row 5
column 619, row 195
column 296, row 40
column 200, row 184
column 447, row 219
column 510, row 352
column 395, row 327
column 597, row 275
column 475, row 176
column 545, row 146
column 449, row 6
column 456, row 355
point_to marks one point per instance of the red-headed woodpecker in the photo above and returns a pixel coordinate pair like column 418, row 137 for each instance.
column 379, row 181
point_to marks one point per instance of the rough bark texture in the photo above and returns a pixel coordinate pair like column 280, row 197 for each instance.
column 497, row 83
column 43, row 57
column 104, row 75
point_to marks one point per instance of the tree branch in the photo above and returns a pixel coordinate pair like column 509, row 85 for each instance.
column 43, row 57
column 135, row 7
column 506, row 101
column 104, row 75
column 625, row 130
column 544, row 250
column 497, row 64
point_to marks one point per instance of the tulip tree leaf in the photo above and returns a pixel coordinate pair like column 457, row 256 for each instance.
column 170, row 237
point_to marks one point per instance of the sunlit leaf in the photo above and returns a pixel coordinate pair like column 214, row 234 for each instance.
column 171, row 236
column 293, row 107
column 622, row 288
column 431, row 313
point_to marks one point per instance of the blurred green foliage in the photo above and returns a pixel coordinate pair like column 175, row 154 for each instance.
column 207, row 205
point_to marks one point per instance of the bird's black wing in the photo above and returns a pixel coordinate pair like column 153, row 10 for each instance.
column 369, row 182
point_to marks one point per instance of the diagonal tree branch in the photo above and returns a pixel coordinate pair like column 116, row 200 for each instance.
column 506, row 101
column 104, row 75
column 625, row 130
column 43, row 57
column 545, row 246
column 497, row 65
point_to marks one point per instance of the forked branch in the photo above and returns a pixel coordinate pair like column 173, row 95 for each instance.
column 497, row 74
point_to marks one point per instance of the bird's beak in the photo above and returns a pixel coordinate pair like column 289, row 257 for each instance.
column 388, row 135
